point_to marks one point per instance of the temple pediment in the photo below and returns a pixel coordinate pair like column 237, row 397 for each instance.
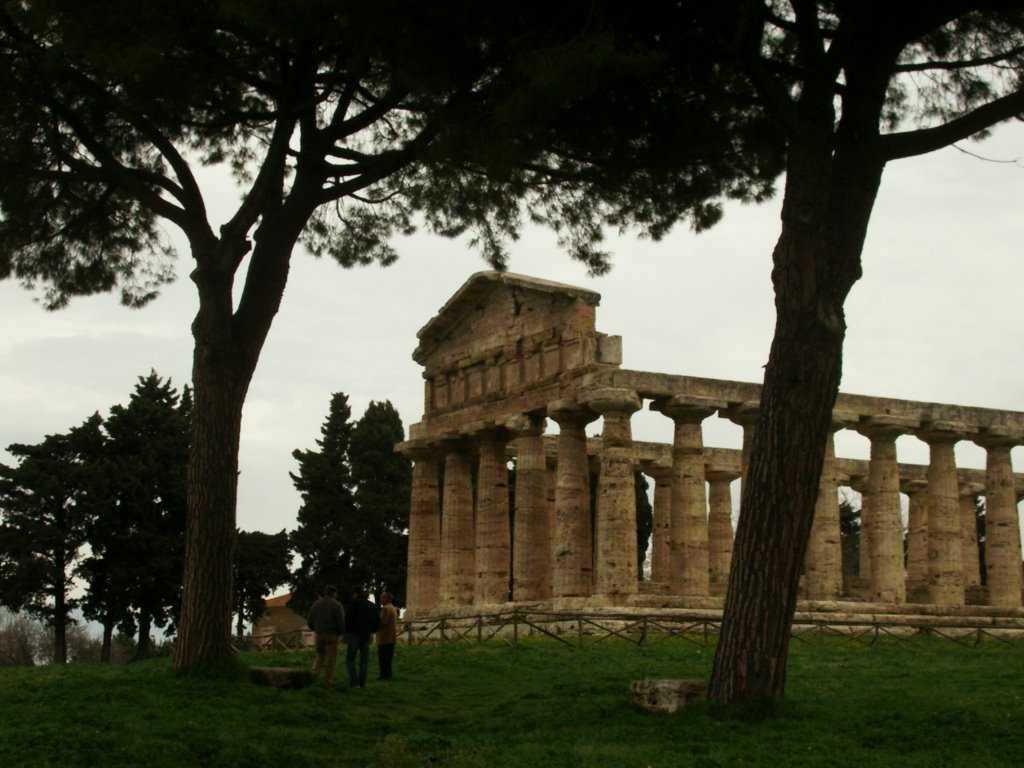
column 502, row 334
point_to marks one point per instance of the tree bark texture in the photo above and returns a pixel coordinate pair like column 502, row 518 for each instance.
column 828, row 200
column 143, row 650
column 60, row 616
column 204, row 634
column 106, row 642
column 227, row 348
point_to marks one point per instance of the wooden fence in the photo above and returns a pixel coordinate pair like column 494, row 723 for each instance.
column 581, row 629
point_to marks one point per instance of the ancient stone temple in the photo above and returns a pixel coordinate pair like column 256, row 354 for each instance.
column 514, row 367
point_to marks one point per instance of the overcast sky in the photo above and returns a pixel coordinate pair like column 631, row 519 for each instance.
column 936, row 317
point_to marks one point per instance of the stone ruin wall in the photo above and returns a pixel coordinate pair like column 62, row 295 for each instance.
column 508, row 354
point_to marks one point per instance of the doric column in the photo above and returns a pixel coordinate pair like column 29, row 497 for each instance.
column 720, row 533
column 532, row 528
column 1002, row 525
column 688, row 544
column 550, row 491
column 887, row 577
column 917, row 535
column 573, row 554
column 945, row 556
column 968, row 493
column 458, row 542
column 744, row 414
column 660, row 538
column 422, row 585
column 615, row 563
column 823, row 563
column 493, row 529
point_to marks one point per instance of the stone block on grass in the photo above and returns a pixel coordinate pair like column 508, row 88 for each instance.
column 282, row 677
column 667, row 695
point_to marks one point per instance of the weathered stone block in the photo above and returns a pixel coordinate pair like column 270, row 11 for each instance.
column 610, row 350
column 667, row 695
column 281, row 677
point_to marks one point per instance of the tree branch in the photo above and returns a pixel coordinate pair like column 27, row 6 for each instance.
column 911, row 143
column 386, row 164
column 341, row 127
column 268, row 181
column 952, row 66
column 136, row 181
column 191, row 217
column 746, row 45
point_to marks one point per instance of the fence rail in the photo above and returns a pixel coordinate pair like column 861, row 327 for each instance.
column 578, row 629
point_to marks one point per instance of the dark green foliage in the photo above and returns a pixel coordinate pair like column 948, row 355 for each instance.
column 326, row 534
column 46, row 504
column 137, row 535
column 383, row 480
column 849, row 537
column 980, row 519
column 341, row 121
column 607, row 114
column 355, row 505
column 466, row 111
column 644, row 521
column 262, row 564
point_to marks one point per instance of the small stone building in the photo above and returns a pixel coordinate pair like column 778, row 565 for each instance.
column 278, row 618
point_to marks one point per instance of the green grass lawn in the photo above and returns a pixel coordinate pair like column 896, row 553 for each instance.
column 926, row 702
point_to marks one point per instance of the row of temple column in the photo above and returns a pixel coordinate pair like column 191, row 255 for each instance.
column 465, row 550
column 942, row 557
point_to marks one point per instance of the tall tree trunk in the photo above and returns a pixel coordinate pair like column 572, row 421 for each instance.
column 60, row 626
column 220, row 384
column 227, row 348
column 107, row 642
column 221, row 371
column 142, row 648
column 827, row 206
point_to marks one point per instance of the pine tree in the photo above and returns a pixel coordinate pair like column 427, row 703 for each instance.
column 46, row 504
column 262, row 563
column 341, row 122
column 327, row 527
column 382, row 480
column 137, row 538
column 355, row 505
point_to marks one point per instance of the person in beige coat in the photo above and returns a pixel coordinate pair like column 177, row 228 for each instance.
column 387, row 635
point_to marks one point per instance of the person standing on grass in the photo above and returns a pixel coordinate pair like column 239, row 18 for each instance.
column 387, row 636
column 327, row 620
column 362, row 622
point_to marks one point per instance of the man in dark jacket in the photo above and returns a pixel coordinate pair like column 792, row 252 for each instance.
column 361, row 622
column 327, row 620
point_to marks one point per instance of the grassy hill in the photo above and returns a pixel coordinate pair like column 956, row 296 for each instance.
column 926, row 702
